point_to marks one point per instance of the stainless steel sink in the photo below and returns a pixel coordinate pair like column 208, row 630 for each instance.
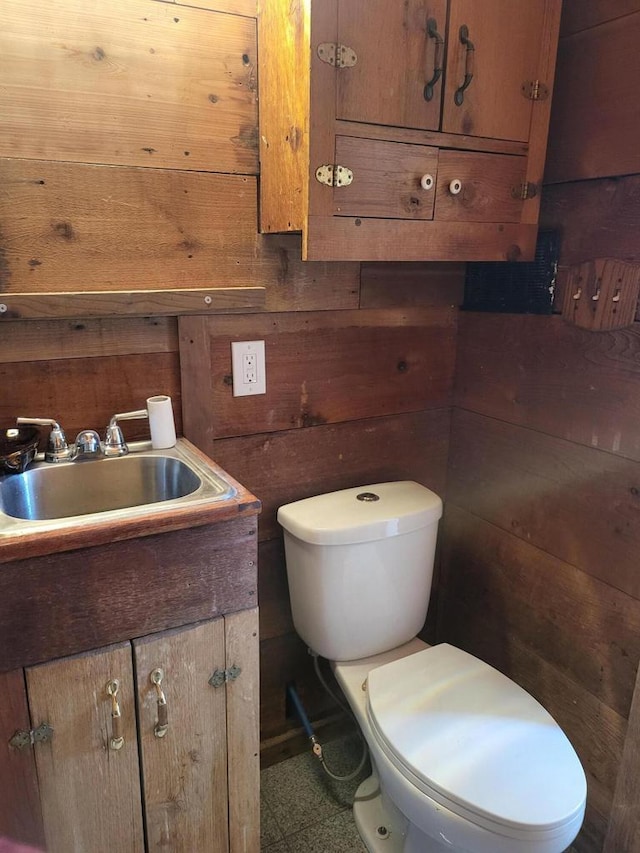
column 49, row 496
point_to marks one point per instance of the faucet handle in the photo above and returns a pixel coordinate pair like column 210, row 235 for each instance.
column 57, row 447
column 114, row 443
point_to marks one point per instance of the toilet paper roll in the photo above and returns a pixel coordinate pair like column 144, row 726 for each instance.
column 163, row 428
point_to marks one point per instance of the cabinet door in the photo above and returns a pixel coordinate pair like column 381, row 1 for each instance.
column 185, row 771
column 89, row 792
column 507, row 36
column 476, row 187
column 396, row 44
column 20, row 815
column 386, row 179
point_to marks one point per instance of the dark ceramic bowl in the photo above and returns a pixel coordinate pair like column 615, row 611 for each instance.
column 18, row 447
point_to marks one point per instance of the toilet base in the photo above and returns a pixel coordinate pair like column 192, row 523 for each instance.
column 383, row 828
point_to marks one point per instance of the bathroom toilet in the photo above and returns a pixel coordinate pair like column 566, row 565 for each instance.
column 463, row 759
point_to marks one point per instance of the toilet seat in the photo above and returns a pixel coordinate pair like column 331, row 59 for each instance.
column 471, row 739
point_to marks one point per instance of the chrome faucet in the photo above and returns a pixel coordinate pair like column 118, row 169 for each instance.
column 87, row 445
column 58, row 449
column 114, row 443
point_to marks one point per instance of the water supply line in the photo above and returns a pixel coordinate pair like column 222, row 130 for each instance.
column 316, row 746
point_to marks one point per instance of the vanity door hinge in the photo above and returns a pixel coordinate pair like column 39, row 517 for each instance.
column 338, row 55
column 535, row 90
column 222, row 676
column 23, row 739
column 334, row 176
column 524, row 191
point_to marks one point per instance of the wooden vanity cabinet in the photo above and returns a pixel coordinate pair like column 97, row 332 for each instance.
column 175, row 764
column 364, row 113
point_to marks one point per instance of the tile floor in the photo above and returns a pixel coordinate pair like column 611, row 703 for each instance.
column 303, row 810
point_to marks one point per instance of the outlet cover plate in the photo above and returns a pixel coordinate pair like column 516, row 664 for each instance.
column 248, row 368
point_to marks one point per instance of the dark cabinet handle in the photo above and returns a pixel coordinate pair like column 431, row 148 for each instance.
column 468, row 65
column 432, row 32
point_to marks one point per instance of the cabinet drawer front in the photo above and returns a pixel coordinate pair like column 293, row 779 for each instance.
column 487, row 183
column 386, row 179
column 506, row 35
column 396, row 59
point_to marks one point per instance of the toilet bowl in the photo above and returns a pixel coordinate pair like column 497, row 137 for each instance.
column 463, row 759
column 470, row 761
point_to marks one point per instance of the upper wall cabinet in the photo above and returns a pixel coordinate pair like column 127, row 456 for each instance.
column 405, row 129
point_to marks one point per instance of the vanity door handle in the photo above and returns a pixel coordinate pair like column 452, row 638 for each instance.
column 468, row 65
column 162, row 724
column 432, row 32
column 116, row 741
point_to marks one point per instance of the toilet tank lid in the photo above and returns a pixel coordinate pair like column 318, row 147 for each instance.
column 362, row 514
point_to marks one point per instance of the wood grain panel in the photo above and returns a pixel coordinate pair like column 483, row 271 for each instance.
column 585, row 628
column 578, row 504
column 192, row 757
column 597, row 219
column 84, row 393
column 273, row 590
column 286, row 466
column 243, row 731
column 82, row 599
column 284, row 41
column 594, row 122
column 236, row 7
column 579, row 15
column 107, row 303
column 95, row 228
column 52, row 340
column 624, row 827
column 544, row 374
column 71, row 696
column 20, row 813
column 297, row 285
column 321, row 367
column 132, row 83
column 391, row 285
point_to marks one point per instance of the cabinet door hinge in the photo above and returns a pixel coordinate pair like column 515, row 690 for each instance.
column 221, row 676
column 524, row 191
column 334, row 176
column 338, row 55
column 22, row 739
column 535, row 90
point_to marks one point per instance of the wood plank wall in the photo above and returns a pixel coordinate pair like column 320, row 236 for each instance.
column 128, row 160
column 542, row 529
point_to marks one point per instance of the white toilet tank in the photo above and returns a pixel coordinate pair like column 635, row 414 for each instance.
column 360, row 564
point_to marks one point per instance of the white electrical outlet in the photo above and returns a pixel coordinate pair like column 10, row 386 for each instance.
column 248, row 367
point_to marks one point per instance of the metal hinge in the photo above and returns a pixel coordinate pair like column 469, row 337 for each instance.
column 524, row 191
column 535, row 90
column 221, row 676
column 334, row 176
column 338, row 55
column 22, row 739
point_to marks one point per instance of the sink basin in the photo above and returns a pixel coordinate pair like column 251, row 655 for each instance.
column 50, row 495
